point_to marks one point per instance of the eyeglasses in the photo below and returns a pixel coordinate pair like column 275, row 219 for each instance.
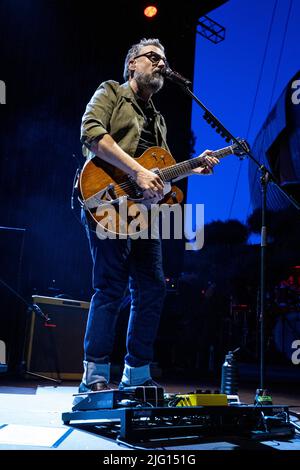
column 153, row 57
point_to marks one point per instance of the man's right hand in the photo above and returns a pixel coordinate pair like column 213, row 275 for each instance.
column 150, row 183
column 109, row 151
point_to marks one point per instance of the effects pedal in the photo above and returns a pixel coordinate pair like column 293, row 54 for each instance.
column 202, row 398
column 111, row 399
column 145, row 394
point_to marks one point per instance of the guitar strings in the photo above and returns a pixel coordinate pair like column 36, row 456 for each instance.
column 171, row 172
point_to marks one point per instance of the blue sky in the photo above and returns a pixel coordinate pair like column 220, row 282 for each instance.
column 226, row 76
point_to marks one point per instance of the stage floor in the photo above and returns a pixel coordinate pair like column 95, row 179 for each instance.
column 30, row 419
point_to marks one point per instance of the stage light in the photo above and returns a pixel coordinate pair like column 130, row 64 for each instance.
column 150, row 11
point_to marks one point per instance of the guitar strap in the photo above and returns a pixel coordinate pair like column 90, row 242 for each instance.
column 159, row 128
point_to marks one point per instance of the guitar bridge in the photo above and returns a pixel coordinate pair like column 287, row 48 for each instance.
column 110, row 193
column 136, row 192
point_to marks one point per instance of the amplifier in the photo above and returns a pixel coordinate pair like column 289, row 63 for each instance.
column 55, row 347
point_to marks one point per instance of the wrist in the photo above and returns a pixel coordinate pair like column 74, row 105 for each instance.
column 135, row 169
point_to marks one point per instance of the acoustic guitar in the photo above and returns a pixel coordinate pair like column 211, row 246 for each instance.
column 105, row 190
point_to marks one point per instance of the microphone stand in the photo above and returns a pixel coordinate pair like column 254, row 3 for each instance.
column 31, row 308
column 265, row 178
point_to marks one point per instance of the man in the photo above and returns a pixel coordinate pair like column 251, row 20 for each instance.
column 119, row 124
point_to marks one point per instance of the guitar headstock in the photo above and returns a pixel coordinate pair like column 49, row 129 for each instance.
column 237, row 150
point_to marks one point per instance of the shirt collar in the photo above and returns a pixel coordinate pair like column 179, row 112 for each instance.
column 128, row 93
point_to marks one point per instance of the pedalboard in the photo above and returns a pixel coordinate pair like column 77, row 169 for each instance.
column 145, row 412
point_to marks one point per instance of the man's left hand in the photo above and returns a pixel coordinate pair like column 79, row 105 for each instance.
column 207, row 167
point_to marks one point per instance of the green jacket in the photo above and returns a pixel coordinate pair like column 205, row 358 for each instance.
column 114, row 110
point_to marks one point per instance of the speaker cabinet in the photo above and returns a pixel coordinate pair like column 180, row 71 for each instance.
column 55, row 347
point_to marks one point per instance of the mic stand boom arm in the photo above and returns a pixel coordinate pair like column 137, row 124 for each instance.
column 214, row 122
column 266, row 177
column 39, row 312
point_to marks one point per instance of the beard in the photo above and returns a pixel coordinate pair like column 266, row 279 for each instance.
column 149, row 82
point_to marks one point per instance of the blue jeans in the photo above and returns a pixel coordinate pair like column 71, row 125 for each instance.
column 116, row 263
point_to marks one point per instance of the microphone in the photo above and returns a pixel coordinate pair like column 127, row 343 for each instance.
column 175, row 77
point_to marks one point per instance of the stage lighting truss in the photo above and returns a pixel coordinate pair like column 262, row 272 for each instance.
column 210, row 29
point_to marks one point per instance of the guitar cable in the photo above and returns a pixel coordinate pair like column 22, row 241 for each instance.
column 75, row 182
column 75, row 188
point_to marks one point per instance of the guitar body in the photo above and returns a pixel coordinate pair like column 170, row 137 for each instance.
column 115, row 201
column 102, row 185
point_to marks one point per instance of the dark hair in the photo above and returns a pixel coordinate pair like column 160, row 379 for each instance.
column 135, row 50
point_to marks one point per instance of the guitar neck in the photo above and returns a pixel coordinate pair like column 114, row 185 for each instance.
column 184, row 168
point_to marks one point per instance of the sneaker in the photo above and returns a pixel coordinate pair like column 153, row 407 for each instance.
column 148, row 383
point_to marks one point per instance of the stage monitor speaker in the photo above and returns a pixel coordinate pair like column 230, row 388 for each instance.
column 55, row 347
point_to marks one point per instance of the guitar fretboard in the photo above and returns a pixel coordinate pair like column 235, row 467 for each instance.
column 174, row 171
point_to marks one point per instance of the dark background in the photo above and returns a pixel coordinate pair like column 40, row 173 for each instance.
column 54, row 54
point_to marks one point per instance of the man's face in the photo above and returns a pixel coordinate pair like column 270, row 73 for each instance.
column 147, row 66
